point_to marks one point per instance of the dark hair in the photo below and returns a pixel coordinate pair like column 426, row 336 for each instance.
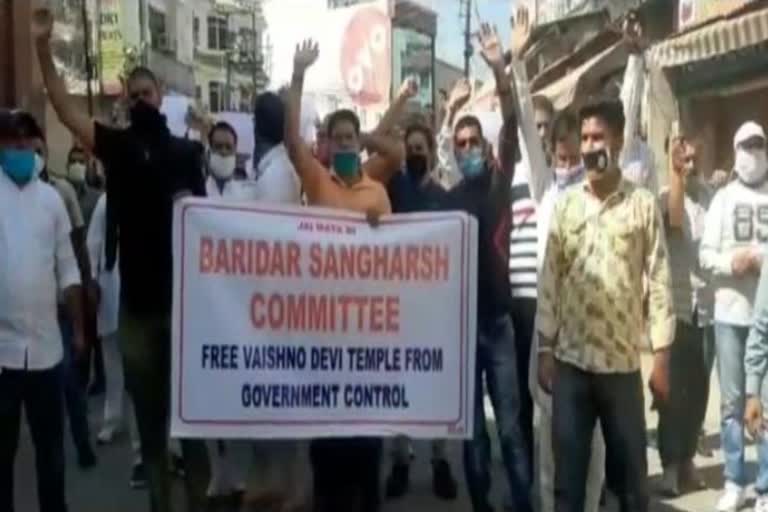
column 611, row 112
column 8, row 127
column 424, row 130
column 223, row 126
column 28, row 126
column 541, row 102
column 269, row 117
column 468, row 121
column 343, row 116
column 73, row 150
column 565, row 124
column 140, row 72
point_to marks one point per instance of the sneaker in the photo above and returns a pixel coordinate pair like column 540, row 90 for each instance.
column 732, row 499
column 398, row 481
column 86, row 459
column 443, row 483
column 670, row 482
column 138, row 476
column 761, row 503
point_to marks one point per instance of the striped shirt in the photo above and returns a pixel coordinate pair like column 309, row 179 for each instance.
column 523, row 239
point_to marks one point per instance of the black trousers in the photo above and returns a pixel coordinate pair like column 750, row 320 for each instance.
column 41, row 395
column 580, row 399
column 681, row 418
column 346, row 474
column 523, row 313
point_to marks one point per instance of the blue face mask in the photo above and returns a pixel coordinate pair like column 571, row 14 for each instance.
column 472, row 163
column 18, row 164
column 346, row 164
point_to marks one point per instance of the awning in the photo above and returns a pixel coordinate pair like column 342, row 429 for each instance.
column 564, row 91
column 718, row 38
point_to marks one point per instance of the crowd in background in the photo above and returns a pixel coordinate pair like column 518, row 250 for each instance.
column 583, row 263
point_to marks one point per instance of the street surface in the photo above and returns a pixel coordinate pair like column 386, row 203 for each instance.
column 106, row 487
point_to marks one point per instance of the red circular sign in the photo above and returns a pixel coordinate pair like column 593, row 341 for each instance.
column 365, row 57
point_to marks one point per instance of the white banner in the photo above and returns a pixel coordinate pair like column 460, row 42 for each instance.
column 304, row 322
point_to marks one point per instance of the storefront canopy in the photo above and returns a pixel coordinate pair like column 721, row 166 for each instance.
column 565, row 90
column 719, row 38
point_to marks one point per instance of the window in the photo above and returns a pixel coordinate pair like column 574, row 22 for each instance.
column 218, row 34
column 216, row 96
column 196, row 32
column 250, row 45
column 157, row 29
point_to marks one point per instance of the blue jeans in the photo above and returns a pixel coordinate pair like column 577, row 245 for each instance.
column 731, row 341
column 496, row 359
column 75, row 392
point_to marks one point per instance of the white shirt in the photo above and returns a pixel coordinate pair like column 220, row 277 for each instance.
column 109, row 281
column 235, row 190
column 37, row 262
column 737, row 219
column 276, row 179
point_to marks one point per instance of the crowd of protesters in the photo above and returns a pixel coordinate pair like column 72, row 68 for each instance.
column 583, row 263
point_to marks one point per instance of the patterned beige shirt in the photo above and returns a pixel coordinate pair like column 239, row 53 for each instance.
column 590, row 309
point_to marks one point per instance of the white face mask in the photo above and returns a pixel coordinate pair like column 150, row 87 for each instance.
column 39, row 166
column 76, row 173
column 222, row 167
column 751, row 165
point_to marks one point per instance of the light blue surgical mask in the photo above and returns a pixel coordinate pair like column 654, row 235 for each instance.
column 346, row 164
column 472, row 163
column 21, row 165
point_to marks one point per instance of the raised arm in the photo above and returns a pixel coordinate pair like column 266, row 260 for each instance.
column 408, row 90
column 540, row 174
column 445, row 154
column 675, row 198
column 309, row 170
column 634, row 80
column 387, row 159
column 76, row 120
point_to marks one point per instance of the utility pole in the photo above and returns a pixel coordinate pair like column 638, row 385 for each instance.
column 87, row 48
column 467, row 13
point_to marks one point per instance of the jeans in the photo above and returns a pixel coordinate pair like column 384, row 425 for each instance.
column 497, row 361
column 146, row 347
column 681, row 418
column 731, row 342
column 43, row 399
column 545, row 465
column 523, row 317
column 580, row 399
column 75, row 392
column 346, row 474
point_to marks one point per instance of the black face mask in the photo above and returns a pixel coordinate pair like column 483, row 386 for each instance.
column 596, row 160
column 145, row 117
column 416, row 167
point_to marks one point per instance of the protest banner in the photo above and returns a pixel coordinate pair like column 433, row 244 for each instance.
column 303, row 322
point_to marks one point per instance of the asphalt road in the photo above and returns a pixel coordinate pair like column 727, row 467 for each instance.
column 106, row 487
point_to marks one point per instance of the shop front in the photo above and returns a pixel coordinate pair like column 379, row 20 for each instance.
column 716, row 74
